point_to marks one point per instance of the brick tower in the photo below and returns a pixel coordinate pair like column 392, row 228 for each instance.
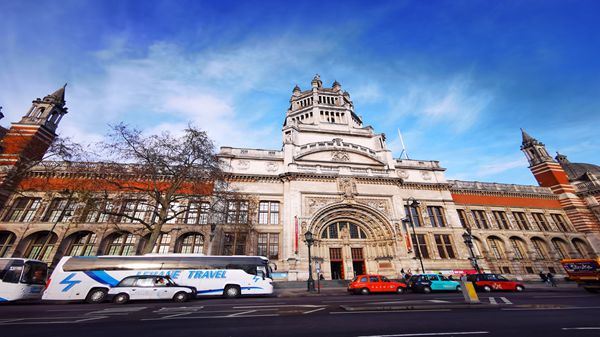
column 26, row 142
column 550, row 173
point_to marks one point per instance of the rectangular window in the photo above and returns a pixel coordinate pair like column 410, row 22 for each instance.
column 529, row 270
column 444, row 246
column 60, row 210
column 234, row 244
column 501, row 219
column 414, row 215
column 237, row 212
column 541, row 221
column 505, row 270
column 481, row 220
column 421, row 241
column 96, row 210
column 552, row 270
column 23, row 210
column 521, row 220
column 357, row 254
column 518, row 250
column 560, row 222
column 133, row 209
column 268, row 213
column 335, row 254
column 462, row 217
column 268, row 245
column 436, row 216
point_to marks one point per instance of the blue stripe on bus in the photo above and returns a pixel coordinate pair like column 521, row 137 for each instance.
column 102, row 277
column 209, row 291
column 2, row 299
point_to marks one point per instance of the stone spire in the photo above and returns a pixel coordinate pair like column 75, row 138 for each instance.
column 316, row 82
column 527, row 139
column 561, row 158
column 534, row 150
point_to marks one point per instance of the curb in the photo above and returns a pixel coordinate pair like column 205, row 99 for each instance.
column 424, row 307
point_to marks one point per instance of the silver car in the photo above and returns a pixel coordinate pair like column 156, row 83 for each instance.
column 149, row 287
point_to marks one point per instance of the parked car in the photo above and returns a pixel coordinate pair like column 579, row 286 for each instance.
column 488, row 282
column 149, row 287
column 427, row 283
column 366, row 284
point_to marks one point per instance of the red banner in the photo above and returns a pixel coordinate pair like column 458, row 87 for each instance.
column 296, row 234
column 408, row 243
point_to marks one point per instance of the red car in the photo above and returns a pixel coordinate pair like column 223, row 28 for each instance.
column 489, row 282
column 366, row 284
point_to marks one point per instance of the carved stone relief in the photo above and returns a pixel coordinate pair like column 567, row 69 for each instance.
column 340, row 156
column 403, row 174
column 243, row 164
column 347, row 187
column 272, row 167
column 314, row 204
column 426, row 175
column 378, row 204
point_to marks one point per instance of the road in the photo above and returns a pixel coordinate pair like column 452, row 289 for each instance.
column 562, row 312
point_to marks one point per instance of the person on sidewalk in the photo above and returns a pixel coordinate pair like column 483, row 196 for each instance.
column 551, row 280
column 543, row 277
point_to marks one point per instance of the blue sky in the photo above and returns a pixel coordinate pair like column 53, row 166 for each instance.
column 459, row 78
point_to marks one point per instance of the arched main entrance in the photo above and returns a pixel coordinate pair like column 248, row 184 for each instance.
column 353, row 239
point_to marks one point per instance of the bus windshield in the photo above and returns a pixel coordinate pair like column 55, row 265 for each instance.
column 10, row 270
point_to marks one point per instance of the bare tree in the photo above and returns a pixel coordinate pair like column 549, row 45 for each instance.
column 155, row 174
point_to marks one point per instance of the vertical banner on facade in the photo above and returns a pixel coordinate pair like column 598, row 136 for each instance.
column 408, row 243
column 296, row 234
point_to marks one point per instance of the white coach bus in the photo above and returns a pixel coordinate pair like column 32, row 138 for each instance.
column 21, row 279
column 90, row 277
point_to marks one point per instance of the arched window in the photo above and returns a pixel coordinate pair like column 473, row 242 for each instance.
column 561, row 250
column 121, row 244
column 192, row 243
column 41, row 245
column 163, row 242
column 82, row 244
column 7, row 240
column 497, row 247
column 334, row 231
column 540, row 248
column 518, row 248
column 581, row 247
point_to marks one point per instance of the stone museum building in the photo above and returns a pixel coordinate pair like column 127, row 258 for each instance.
column 335, row 177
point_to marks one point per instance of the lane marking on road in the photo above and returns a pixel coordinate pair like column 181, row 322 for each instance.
column 116, row 311
column 505, row 300
column 311, row 311
column 540, row 309
column 454, row 333
column 492, row 300
column 206, row 317
column 241, row 313
column 413, row 301
column 178, row 309
column 583, row 328
column 280, row 306
column 387, row 311
column 560, row 296
column 50, row 320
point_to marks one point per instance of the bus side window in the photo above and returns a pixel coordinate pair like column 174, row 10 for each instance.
column 13, row 274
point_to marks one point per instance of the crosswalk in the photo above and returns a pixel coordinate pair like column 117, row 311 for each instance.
column 504, row 300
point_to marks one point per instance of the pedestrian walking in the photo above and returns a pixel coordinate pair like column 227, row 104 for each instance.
column 543, row 277
column 551, row 280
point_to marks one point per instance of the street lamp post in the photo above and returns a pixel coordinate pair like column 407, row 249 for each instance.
column 468, row 239
column 412, row 202
column 308, row 237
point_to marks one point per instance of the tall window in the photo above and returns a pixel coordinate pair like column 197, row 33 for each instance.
column 559, row 246
column 60, row 210
column 497, row 247
column 481, row 220
column 82, row 244
column 162, row 244
column 541, row 221
column 268, row 213
column 522, row 222
column 414, row 213
column 7, row 240
column 192, row 243
column 96, row 210
column 268, row 245
column 580, row 246
column 540, row 248
column 436, row 216
column 421, row 241
column 174, row 212
column 38, row 249
column 235, row 244
column 444, row 246
column 197, row 213
column 501, row 219
column 237, row 212
column 462, row 217
column 560, row 222
column 133, row 209
column 23, row 210
column 122, row 244
column 517, row 246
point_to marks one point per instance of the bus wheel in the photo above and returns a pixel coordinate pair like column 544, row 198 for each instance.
column 231, row 291
column 180, row 297
column 121, row 298
column 96, row 295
